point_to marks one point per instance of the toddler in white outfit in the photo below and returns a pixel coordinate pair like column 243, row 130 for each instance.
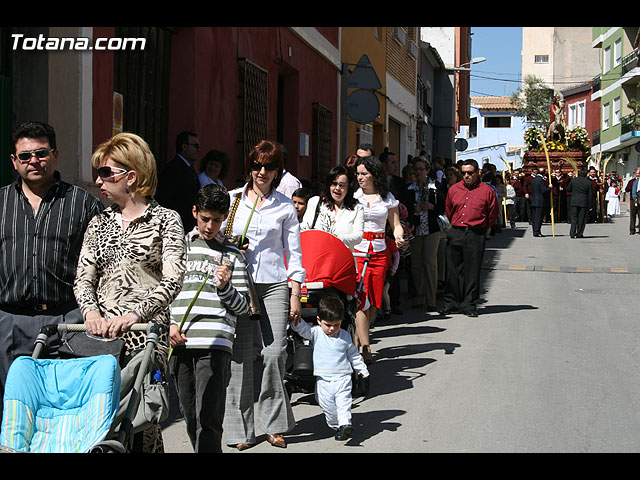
column 334, row 359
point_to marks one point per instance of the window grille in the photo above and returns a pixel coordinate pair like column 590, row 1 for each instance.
column 253, row 108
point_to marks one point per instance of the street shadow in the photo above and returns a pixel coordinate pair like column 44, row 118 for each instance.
column 369, row 424
column 366, row 425
column 490, row 309
column 406, row 330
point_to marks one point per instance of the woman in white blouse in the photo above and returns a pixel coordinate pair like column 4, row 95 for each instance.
column 379, row 206
column 336, row 211
column 273, row 231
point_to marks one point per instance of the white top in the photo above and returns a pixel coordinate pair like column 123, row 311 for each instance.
column 206, row 180
column 347, row 225
column 611, row 193
column 274, row 234
column 333, row 355
column 511, row 194
column 288, row 184
column 375, row 219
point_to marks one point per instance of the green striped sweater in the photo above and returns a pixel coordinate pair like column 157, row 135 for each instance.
column 211, row 323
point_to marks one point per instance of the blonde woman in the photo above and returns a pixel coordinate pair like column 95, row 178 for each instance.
column 133, row 257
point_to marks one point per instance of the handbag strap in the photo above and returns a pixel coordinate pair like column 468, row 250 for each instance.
column 232, row 214
column 315, row 217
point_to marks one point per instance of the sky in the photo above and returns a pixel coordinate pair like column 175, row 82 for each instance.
column 499, row 74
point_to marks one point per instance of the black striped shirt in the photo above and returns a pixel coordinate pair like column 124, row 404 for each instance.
column 39, row 253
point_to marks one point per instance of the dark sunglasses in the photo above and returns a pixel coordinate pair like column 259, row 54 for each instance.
column 24, row 157
column 110, row 172
column 269, row 167
column 468, row 173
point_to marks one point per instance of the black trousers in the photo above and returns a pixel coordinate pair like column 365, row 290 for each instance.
column 464, row 254
column 520, row 213
column 578, row 220
column 634, row 212
column 537, row 214
column 201, row 378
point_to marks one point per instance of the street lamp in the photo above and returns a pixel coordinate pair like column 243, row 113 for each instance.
column 462, row 67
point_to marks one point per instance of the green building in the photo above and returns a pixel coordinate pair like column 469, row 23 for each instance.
column 617, row 88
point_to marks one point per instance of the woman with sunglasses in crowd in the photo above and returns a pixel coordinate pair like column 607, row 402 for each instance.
column 272, row 229
column 133, row 257
column 336, row 211
column 379, row 205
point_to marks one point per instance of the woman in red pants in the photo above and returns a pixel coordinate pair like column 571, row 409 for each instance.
column 379, row 205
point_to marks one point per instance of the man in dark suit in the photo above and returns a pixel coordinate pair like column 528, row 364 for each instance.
column 632, row 190
column 539, row 198
column 178, row 182
column 581, row 190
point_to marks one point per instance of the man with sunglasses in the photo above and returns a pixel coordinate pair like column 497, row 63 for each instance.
column 178, row 183
column 472, row 208
column 42, row 225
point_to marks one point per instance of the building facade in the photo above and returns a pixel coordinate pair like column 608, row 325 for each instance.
column 561, row 57
column 233, row 86
column 495, row 133
column 616, row 88
column 230, row 85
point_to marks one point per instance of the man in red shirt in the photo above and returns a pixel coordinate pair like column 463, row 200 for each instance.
column 472, row 207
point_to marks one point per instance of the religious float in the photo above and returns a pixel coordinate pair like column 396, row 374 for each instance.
column 557, row 147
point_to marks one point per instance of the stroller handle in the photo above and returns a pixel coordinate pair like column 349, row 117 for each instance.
column 81, row 327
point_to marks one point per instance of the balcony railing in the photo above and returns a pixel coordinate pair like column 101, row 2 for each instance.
column 629, row 123
column 629, row 62
column 596, row 83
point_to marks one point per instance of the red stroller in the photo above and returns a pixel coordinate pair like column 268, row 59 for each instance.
column 330, row 270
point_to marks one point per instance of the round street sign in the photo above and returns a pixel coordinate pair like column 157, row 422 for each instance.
column 461, row 144
column 363, row 106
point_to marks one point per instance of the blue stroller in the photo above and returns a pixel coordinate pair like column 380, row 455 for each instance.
column 76, row 405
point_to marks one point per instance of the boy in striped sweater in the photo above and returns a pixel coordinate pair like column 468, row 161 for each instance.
column 201, row 358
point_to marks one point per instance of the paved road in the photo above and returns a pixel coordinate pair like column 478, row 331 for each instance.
column 552, row 364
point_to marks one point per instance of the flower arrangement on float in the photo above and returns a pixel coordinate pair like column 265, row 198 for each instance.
column 575, row 140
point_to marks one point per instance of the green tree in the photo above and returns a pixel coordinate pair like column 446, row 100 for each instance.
column 533, row 100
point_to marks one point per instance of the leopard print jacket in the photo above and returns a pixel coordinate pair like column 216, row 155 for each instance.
column 140, row 268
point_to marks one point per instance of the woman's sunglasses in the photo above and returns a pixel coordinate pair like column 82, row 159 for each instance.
column 110, row 172
column 269, row 167
column 41, row 153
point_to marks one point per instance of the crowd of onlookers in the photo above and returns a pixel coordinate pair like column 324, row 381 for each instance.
column 172, row 238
